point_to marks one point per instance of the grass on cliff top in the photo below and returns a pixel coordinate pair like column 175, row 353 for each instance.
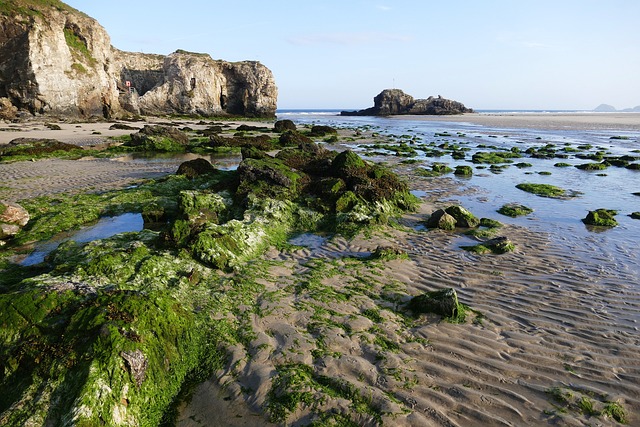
column 32, row 7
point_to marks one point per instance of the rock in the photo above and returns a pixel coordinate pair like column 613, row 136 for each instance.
column 605, row 108
column 293, row 138
column 514, row 210
column 319, row 131
column 7, row 110
column 498, row 245
column 463, row 171
column 442, row 220
column 601, row 217
column 396, row 102
column 13, row 213
column 159, row 138
column 34, row 147
column 388, row 252
column 12, row 218
column 346, row 162
column 463, row 217
column 284, row 125
column 443, row 302
column 56, row 60
column 136, row 364
column 635, row 215
column 195, row 168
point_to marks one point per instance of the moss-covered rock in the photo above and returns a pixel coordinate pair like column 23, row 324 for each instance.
column 443, row 302
column 463, row 171
column 284, row 125
column 592, row 166
column 463, row 217
column 442, row 220
column 635, row 215
column 195, row 168
column 514, row 210
column 33, row 148
column 498, row 245
column 292, row 138
column 321, row 130
column 601, row 217
column 543, row 190
column 268, row 177
column 159, row 138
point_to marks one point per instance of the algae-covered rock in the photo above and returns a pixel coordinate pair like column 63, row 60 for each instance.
column 498, row 245
column 442, row 220
column 346, row 163
column 284, row 125
column 463, row 217
column 463, row 171
column 321, row 130
column 265, row 222
column 635, row 215
column 195, row 168
column 443, row 302
column 21, row 148
column 601, row 217
column 159, row 138
column 268, row 177
column 292, row 138
column 514, row 210
column 199, row 207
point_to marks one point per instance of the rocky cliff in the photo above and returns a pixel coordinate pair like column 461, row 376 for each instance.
column 391, row 102
column 57, row 60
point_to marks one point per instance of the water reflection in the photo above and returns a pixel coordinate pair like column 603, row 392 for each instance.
column 104, row 228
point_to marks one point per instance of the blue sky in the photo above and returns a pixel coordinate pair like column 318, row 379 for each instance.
column 488, row 54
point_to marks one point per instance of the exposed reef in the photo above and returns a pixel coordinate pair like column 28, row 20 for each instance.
column 392, row 102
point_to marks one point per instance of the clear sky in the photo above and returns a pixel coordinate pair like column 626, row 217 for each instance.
column 487, row 54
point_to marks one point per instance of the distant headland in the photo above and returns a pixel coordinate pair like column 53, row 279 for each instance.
column 391, row 102
column 606, row 108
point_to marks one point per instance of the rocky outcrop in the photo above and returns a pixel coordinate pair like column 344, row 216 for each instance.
column 392, row 102
column 56, row 60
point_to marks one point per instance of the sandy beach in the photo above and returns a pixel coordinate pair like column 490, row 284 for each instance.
column 546, row 319
column 622, row 121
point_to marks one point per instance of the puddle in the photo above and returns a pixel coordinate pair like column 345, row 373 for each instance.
column 222, row 161
column 105, row 227
column 308, row 240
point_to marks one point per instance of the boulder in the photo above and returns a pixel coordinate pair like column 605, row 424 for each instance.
column 284, row 125
column 463, row 217
column 395, row 102
column 195, row 168
column 442, row 220
column 159, row 138
column 498, row 245
column 601, row 217
column 12, row 218
column 443, row 302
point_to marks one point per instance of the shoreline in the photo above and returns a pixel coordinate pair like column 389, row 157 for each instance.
column 550, row 121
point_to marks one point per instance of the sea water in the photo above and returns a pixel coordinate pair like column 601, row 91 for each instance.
column 612, row 188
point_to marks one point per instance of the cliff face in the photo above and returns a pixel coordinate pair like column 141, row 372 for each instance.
column 56, row 60
column 391, row 102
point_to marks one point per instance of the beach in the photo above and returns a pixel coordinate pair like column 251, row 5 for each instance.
column 551, row 326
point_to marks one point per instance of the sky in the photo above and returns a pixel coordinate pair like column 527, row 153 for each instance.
column 487, row 54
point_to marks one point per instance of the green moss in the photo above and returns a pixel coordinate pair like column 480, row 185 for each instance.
column 494, row 157
column 592, row 166
column 543, row 190
column 601, row 217
column 32, row 7
column 562, row 165
column 514, row 210
column 499, row 245
column 616, row 411
column 463, row 171
column 78, row 47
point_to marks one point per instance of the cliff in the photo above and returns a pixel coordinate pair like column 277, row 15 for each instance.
column 57, row 60
column 391, row 102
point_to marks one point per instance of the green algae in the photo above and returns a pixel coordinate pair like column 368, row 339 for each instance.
column 543, row 190
column 498, row 246
column 601, row 218
column 514, row 210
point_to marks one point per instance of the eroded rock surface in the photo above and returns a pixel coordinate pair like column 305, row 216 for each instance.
column 391, row 102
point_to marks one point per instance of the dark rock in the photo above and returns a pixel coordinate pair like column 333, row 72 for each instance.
column 442, row 220
column 248, row 128
column 284, row 125
column 159, row 138
column 122, row 126
column 319, row 131
column 34, row 147
column 634, row 167
column 396, row 102
column 463, row 217
column 635, row 215
column 292, row 138
column 251, row 152
column 443, row 302
column 195, row 168
column 498, row 245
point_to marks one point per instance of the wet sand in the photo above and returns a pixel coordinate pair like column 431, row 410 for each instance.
column 580, row 121
column 549, row 320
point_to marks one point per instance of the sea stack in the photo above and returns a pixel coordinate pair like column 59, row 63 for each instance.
column 391, row 102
